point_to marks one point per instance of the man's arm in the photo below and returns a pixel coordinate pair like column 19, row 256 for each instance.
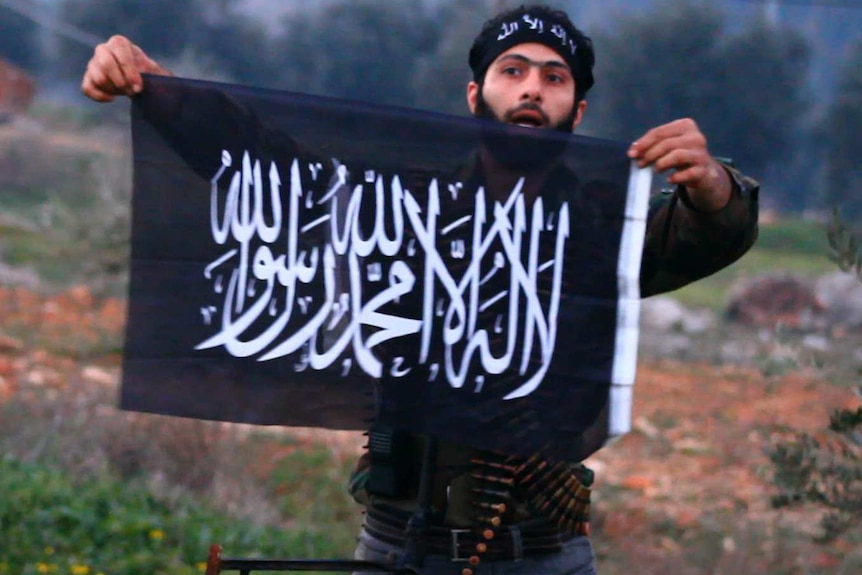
column 196, row 122
column 684, row 244
column 707, row 223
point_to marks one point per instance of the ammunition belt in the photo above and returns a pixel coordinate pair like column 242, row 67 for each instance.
column 506, row 543
column 549, row 486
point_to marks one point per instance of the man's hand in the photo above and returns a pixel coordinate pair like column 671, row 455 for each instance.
column 115, row 70
column 681, row 146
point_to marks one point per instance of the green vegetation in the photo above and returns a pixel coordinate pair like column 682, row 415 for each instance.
column 827, row 470
column 788, row 247
column 53, row 523
column 311, row 488
column 64, row 203
column 794, row 237
column 102, row 491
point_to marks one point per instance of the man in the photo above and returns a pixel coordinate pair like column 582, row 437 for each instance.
column 531, row 67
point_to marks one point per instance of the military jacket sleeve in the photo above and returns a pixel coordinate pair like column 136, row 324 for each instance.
column 684, row 244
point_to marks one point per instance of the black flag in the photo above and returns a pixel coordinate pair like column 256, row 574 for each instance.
column 306, row 261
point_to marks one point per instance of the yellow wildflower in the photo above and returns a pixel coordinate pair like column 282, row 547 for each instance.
column 43, row 568
column 201, row 566
column 80, row 570
column 157, row 534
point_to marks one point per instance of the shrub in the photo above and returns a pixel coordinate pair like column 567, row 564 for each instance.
column 827, row 470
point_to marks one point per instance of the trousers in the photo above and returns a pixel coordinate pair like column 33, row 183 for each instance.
column 576, row 558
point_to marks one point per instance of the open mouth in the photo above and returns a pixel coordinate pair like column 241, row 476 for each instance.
column 529, row 118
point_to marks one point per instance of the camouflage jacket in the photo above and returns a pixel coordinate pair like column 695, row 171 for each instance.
column 684, row 245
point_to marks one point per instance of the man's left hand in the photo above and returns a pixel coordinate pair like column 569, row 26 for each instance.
column 681, row 146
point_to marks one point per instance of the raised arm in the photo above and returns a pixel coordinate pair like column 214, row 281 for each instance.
column 115, row 70
column 706, row 223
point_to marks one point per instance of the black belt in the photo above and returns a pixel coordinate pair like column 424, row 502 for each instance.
column 508, row 542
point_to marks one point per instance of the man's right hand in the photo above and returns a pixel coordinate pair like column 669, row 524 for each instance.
column 115, row 70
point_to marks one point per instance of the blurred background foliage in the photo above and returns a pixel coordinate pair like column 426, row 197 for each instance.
column 777, row 86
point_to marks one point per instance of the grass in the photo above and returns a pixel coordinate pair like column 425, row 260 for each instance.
column 126, row 493
column 84, row 485
column 789, row 247
column 51, row 522
column 64, row 205
column 314, row 470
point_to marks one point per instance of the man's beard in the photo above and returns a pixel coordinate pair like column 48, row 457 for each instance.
column 484, row 112
column 523, row 148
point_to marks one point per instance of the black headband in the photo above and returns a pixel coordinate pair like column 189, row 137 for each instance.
column 524, row 28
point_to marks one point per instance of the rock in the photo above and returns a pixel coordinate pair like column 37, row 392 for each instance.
column 773, row 299
column 98, row 375
column 815, row 342
column 10, row 344
column 728, row 545
column 737, row 352
column 698, row 321
column 638, row 483
column 691, row 446
column 645, row 427
column 841, row 296
column 22, row 277
column 662, row 313
column 598, row 467
column 667, row 344
column 665, row 314
column 80, row 296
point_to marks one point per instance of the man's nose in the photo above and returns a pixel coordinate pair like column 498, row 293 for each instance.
column 532, row 87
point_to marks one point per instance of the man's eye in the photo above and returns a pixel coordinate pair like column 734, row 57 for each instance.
column 511, row 71
column 556, row 78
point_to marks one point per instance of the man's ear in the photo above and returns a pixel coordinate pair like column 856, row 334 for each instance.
column 580, row 108
column 472, row 96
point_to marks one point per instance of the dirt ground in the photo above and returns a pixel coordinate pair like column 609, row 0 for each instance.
column 688, row 487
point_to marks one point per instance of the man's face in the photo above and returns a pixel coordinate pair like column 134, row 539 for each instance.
column 530, row 85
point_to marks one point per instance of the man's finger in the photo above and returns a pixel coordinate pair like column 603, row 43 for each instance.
column 692, row 176
column 96, row 82
column 662, row 148
column 119, row 61
column 90, row 89
column 131, row 79
column 126, row 58
column 679, row 159
column 659, row 134
column 106, row 72
column 655, row 135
